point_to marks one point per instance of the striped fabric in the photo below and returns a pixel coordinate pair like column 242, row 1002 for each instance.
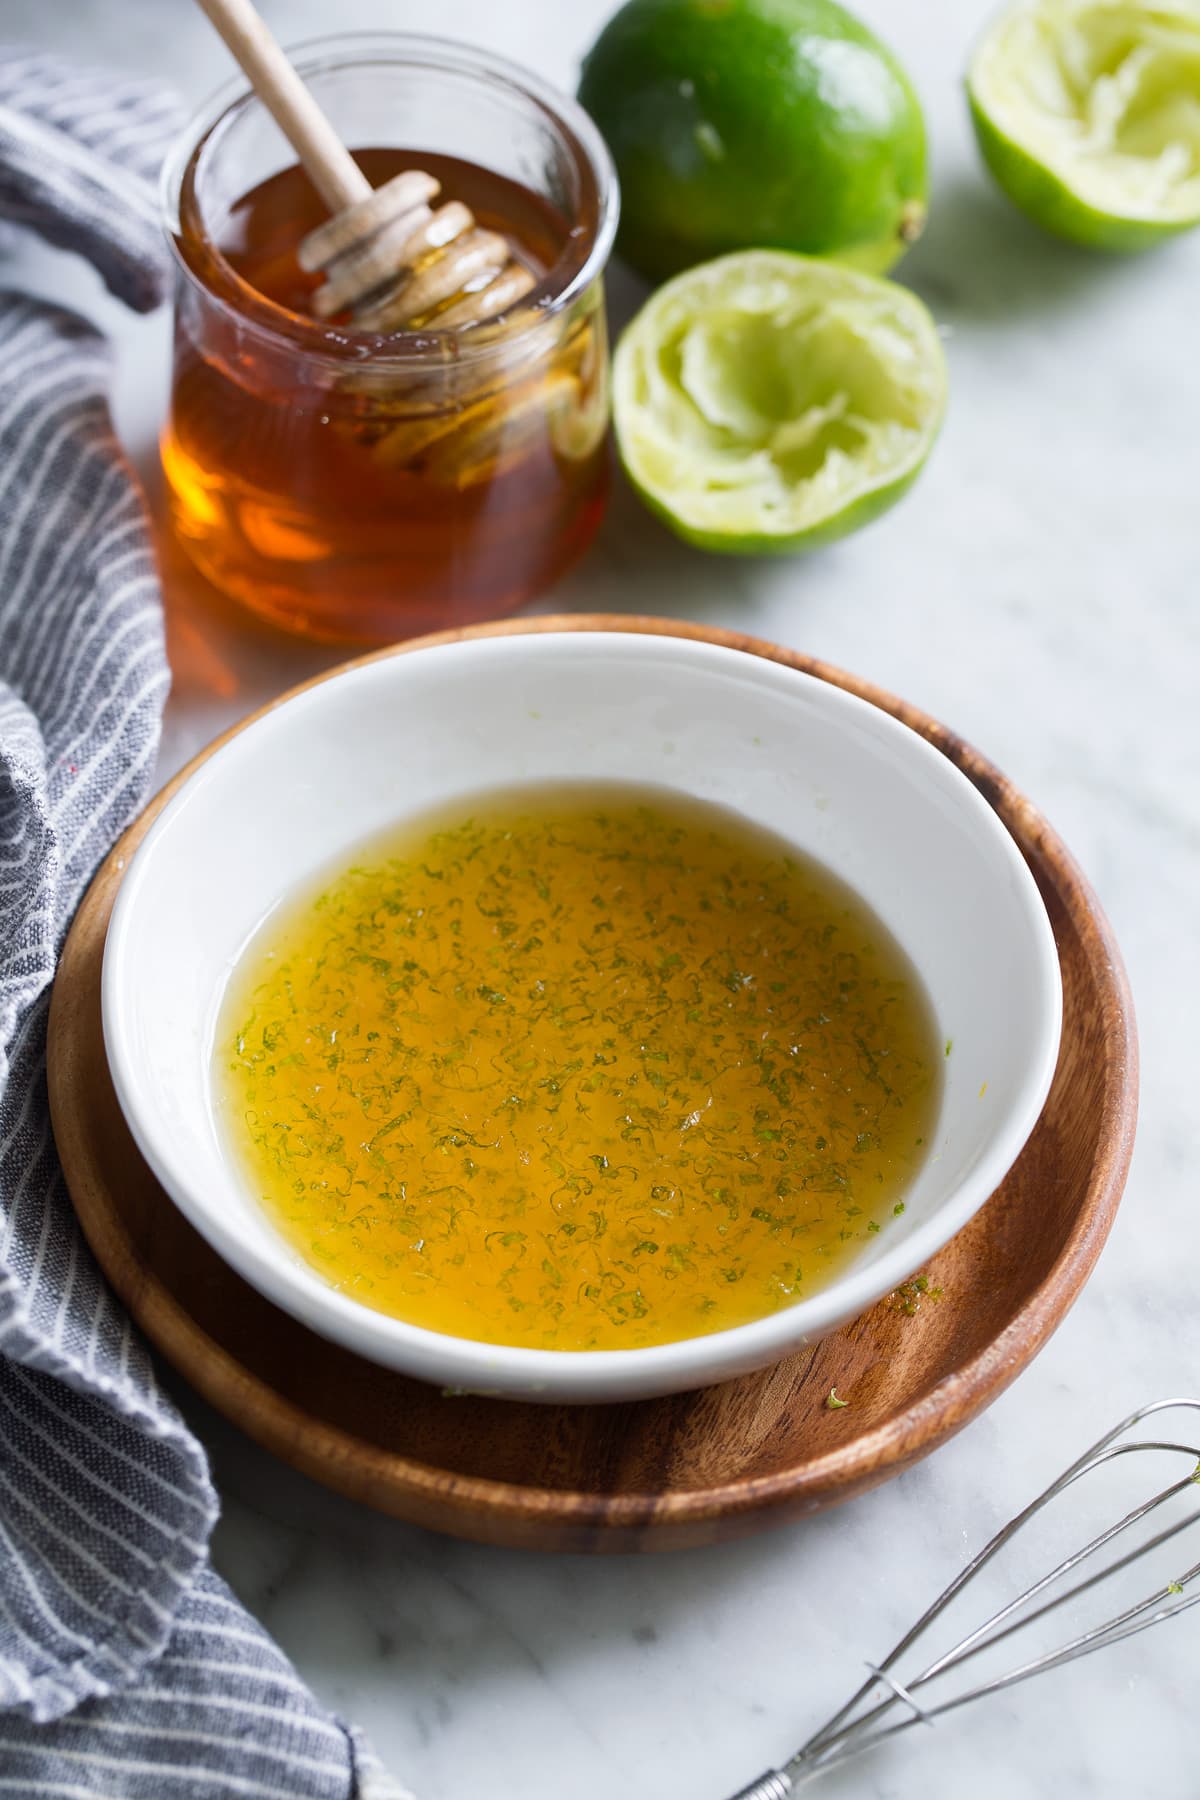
column 127, row 1668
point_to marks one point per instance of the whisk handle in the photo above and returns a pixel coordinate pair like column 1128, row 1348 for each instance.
column 774, row 1785
column 328, row 164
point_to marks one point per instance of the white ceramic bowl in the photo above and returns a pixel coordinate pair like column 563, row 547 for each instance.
column 842, row 780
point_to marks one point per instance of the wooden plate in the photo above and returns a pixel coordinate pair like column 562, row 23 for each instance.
column 656, row 1474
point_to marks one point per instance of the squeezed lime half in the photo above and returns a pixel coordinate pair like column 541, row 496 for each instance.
column 1088, row 115
column 766, row 402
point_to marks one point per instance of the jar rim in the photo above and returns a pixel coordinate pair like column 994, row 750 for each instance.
column 572, row 126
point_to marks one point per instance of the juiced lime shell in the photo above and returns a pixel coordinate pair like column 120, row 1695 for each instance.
column 748, row 123
column 1088, row 115
column 767, row 402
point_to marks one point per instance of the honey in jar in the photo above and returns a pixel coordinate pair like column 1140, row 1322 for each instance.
column 353, row 486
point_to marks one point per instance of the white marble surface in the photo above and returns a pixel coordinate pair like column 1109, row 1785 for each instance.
column 1038, row 591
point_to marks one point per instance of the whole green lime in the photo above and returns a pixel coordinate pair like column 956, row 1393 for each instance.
column 738, row 124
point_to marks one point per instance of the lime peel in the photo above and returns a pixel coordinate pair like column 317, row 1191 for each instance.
column 736, row 124
column 1088, row 114
column 766, row 401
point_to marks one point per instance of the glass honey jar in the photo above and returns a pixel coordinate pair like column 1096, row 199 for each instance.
column 358, row 487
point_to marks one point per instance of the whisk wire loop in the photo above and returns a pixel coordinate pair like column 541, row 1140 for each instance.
column 901, row 1693
column 869, row 1718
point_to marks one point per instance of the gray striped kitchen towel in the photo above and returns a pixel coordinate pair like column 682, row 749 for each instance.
column 127, row 1668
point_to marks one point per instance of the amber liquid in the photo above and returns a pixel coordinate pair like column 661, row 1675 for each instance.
column 580, row 1069
column 346, row 497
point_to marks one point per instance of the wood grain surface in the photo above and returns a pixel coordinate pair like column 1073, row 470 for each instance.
column 658, row 1474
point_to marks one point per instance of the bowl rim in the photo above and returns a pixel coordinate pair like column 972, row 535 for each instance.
column 556, row 1375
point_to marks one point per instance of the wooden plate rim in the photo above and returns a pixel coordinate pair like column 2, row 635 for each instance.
column 283, row 1427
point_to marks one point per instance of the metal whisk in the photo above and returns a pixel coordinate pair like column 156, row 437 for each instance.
column 890, row 1702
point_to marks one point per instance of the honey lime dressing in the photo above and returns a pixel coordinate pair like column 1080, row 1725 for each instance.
column 577, row 1068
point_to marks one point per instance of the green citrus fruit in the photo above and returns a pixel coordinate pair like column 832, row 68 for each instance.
column 767, row 402
column 1088, row 115
column 741, row 123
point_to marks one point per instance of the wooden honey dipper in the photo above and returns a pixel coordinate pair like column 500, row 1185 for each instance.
column 390, row 258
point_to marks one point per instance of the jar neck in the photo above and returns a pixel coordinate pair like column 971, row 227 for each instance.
column 194, row 231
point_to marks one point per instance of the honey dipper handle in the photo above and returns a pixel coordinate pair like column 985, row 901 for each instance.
column 328, row 164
